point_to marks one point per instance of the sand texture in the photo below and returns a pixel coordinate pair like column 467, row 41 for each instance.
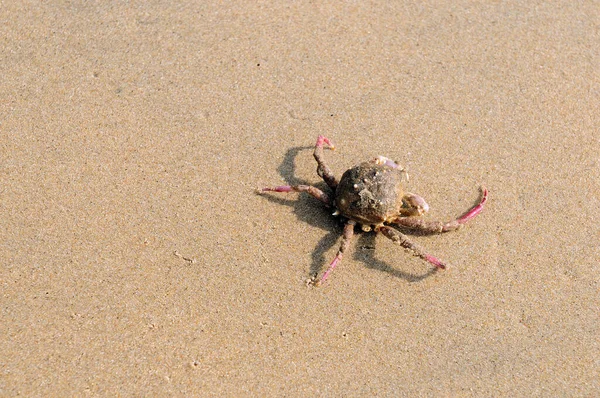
column 136, row 258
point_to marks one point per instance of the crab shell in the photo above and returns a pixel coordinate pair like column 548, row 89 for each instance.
column 372, row 194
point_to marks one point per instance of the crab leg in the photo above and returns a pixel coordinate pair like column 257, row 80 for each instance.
column 403, row 241
column 439, row 226
column 315, row 192
column 475, row 210
column 346, row 238
column 322, row 169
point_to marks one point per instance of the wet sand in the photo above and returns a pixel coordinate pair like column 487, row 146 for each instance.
column 138, row 260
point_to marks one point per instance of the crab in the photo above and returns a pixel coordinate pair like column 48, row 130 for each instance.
column 372, row 196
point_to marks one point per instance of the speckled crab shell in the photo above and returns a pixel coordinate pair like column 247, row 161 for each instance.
column 371, row 193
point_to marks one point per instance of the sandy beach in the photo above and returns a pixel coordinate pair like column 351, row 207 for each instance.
column 136, row 258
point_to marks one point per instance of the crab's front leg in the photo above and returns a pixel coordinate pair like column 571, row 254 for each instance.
column 438, row 226
column 322, row 169
column 346, row 238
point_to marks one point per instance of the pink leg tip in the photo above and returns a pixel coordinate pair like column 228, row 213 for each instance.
column 485, row 195
column 435, row 261
column 283, row 188
column 475, row 210
column 322, row 139
column 330, row 268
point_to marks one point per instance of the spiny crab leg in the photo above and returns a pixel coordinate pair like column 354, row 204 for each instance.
column 322, row 169
column 346, row 238
column 461, row 220
column 403, row 241
column 438, row 226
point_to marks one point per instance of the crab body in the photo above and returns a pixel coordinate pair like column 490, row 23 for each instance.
column 372, row 195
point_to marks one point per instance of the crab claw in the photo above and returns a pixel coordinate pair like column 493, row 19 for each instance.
column 414, row 205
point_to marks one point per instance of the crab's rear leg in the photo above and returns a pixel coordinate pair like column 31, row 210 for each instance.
column 403, row 241
column 313, row 191
column 439, row 226
column 322, row 169
column 346, row 238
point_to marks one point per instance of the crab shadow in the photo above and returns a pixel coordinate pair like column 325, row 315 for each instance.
column 306, row 208
column 364, row 252
column 309, row 210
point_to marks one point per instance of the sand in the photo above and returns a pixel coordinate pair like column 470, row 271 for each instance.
column 136, row 258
